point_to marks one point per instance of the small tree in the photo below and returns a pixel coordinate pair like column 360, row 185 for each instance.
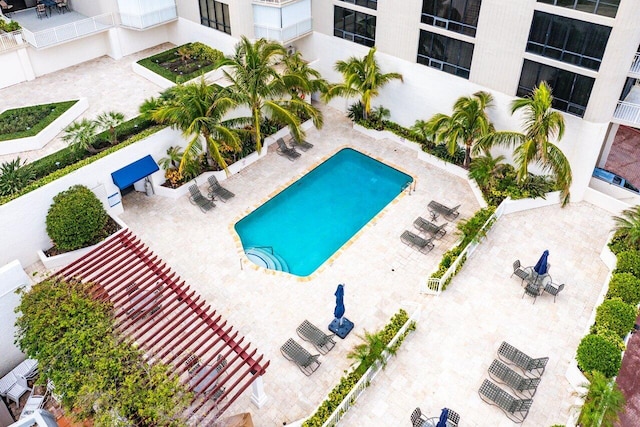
column 76, row 219
column 81, row 135
column 14, row 176
column 602, row 402
column 110, row 121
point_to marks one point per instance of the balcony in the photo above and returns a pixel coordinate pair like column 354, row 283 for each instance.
column 143, row 14
column 59, row 28
column 635, row 66
column 628, row 110
column 283, row 35
column 10, row 41
column 273, row 2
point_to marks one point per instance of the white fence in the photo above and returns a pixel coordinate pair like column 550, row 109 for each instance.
column 434, row 285
column 627, row 113
column 10, row 40
column 67, row 32
column 149, row 19
column 273, row 2
column 283, row 34
column 351, row 398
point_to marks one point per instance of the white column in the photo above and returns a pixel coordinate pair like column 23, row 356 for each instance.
column 611, row 136
column 258, row 396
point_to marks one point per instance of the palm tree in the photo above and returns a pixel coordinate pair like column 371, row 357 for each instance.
column 256, row 83
column 602, row 402
column 466, row 125
column 485, row 170
column 296, row 65
column 109, row 121
column 197, row 110
column 81, row 135
column 363, row 78
column 628, row 226
column 541, row 124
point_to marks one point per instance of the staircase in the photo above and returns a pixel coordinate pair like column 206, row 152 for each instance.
column 267, row 258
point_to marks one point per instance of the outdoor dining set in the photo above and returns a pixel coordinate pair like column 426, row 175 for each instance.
column 44, row 7
column 536, row 279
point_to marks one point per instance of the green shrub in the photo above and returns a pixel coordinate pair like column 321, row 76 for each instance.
column 619, row 243
column 76, row 219
column 629, row 262
column 625, row 286
column 596, row 353
column 29, row 121
column 9, row 26
column 14, row 176
column 615, row 315
column 611, row 337
column 162, row 63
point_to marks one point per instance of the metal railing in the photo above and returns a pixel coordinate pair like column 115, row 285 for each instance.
column 11, row 40
column 627, row 113
column 635, row 66
column 273, row 2
column 434, row 285
column 150, row 19
column 283, row 34
column 351, row 398
column 68, row 32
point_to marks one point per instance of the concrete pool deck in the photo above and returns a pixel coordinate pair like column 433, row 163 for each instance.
column 445, row 360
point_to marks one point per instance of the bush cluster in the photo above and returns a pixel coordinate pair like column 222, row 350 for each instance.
column 625, row 286
column 596, row 353
column 76, row 219
column 9, row 26
column 629, row 262
column 616, row 316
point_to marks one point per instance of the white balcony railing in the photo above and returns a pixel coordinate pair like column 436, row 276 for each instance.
column 149, row 19
column 273, row 2
column 627, row 113
column 635, row 67
column 68, row 32
column 283, row 35
column 11, row 40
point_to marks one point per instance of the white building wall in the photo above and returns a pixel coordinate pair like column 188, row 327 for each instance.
column 12, row 277
column 16, row 67
column 45, row 61
column 132, row 41
column 185, row 31
column 397, row 28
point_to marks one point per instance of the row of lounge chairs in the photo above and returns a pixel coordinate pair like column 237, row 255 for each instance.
column 429, row 229
column 516, row 408
column 290, row 152
column 216, row 192
column 294, row 352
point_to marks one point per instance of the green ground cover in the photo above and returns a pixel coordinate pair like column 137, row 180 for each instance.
column 29, row 121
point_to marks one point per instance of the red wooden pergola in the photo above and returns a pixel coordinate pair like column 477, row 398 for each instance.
column 170, row 323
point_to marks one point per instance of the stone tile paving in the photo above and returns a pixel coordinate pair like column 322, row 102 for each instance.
column 444, row 362
column 109, row 85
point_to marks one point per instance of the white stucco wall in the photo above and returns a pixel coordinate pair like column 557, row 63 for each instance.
column 16, row 67
column 12, row 277
column 186, row 31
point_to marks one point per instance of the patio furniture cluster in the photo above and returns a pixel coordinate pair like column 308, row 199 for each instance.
column 294, row 352
column 205, row 378
column 418, row 419
column 44, row 8
column 215, row 192
column 535, row 284
column 429, row 229
column 517, row 407
column 14, row 384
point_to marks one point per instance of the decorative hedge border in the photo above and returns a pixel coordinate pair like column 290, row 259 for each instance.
column 150, row 64
column 71, row 168
column 347, row 383
column 58, row 108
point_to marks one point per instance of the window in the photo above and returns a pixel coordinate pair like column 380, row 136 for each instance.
column 371, row 4
column 568, row 40
column 599, row 7
column 571, row 91
column 215, row 14
column 449, row 55
column 460, row 16
column 355, row 26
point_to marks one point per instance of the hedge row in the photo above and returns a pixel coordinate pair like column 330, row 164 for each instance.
column 339, row 392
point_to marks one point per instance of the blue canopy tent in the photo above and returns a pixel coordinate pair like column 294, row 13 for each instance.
column 134, row 172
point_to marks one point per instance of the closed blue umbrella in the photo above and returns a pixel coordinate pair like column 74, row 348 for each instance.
column 541, row 266
column 338, row 312
column 442, row 422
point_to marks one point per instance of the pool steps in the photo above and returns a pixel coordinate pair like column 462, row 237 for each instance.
column 267, row 259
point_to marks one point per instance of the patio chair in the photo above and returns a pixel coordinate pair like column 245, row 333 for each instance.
column 215, row 189
column 6, row 8
column 436, row 209
column 515, row 409
column 453, row 418
column 550, row 289
column 294, row 352
column 519, row 271
column 512, row 356
column 417, row 419
column 198, row 199
column 304, row 145
column 321, row 341
column 41, row 10
column 17, row 390
column 501, row 373
column 7, row 382
column 410, row 239
column 434, row 230
column 532, row 290
column 33, row 402
column 63, row 6
column 283, row 150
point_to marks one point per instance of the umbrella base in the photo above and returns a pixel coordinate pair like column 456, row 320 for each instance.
column 341, row 330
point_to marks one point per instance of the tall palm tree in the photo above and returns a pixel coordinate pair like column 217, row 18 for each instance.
column 541, row 125
column 257, row 83
column 363, row 78
column 466, row 125
column 295, row 64
column 628, row 225
column 197, row 109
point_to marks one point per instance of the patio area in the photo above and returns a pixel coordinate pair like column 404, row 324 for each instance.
column 445, row 360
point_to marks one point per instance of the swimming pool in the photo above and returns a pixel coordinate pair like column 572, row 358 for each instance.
column 306, row 223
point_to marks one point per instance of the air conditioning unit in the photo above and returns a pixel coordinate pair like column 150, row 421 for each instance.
column 291, row 50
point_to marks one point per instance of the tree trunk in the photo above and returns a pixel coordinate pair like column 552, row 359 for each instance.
column 467, row 156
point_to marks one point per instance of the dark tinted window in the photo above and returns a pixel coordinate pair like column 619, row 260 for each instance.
column 355, row 26
column 460, row 16
column 444, row 53
column 215, row 14
column 568, row 40
column 599, row 7
column 371, row 4
column 571, row 91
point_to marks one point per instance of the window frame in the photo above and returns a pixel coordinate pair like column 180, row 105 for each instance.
column 220, row 23
column 455, row 68
column 596, row 9
column 358, row 18
column 439, row 20
column 371, row 4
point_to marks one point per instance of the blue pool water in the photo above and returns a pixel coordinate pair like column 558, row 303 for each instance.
column 311, row 219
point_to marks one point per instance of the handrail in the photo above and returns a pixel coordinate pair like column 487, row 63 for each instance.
column 635, row 65
column 273, row 2
column 11, row 40
column 628, row 113
column 68, row 32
